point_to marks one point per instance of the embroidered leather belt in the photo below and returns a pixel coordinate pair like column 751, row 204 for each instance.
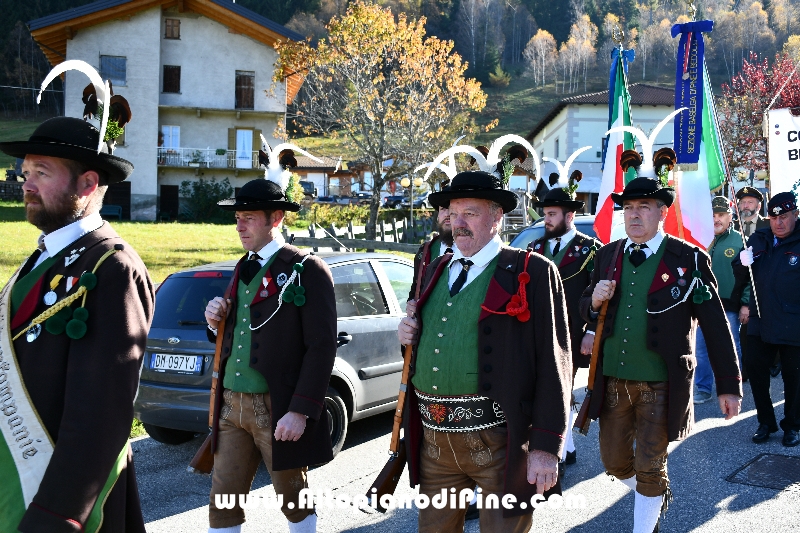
column 459, row 414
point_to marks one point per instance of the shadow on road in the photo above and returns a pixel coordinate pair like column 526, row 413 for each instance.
column 166, row 488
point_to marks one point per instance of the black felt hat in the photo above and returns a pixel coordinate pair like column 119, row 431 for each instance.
column 257, row 195
column 641, row 188
column 74, row 139
column 749, row 191
column 438, row 203
column 560, row 198
column 476, row 184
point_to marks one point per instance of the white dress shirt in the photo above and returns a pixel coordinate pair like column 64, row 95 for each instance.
column 652, row 245
column 479, row 261
column 565, row 240
column 57, row 240
column 269, row 250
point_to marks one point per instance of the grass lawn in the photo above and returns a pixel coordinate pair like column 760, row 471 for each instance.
column 15, row 130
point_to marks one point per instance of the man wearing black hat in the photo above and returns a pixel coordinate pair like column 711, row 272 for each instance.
column 573, row 253
column 656, row 289
column 490, row 382
column 750, row 200
column 774, row 255
column 75, row 319
column 277, row 355
column 440, row 242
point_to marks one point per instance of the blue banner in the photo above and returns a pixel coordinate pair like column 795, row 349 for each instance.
column 617, row 56
column 689, row 90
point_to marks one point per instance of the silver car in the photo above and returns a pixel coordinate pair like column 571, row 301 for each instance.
column 371, row 291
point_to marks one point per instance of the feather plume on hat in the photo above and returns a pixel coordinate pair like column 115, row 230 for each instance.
column 567, row 181
column 646, row 167
column 279, row 160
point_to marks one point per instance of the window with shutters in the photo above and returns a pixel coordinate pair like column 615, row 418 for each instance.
column 245, row 89
column 172, row 79
column 172, row 29
column 114, row 69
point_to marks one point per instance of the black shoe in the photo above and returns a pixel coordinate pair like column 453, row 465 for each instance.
column 472, row 512
column 762, row 433
column 561, row 470
column 791, row 438
column 571, row 458
column 775, row 370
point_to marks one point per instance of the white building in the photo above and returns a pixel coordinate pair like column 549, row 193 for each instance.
column 198, row 75
column 582, row 120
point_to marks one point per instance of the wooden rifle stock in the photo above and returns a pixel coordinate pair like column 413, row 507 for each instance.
column 582, row 421
column 203, row 460
column 386, row 482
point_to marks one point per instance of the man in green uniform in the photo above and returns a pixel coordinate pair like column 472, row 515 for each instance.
column 439, row 244
column 658, row 288
column 735, row 295
column 573, row 253
column 73, row 328
column 278, row 350
column 489, row 386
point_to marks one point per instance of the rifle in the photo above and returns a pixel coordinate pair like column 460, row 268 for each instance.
column 386, row 482
column 203, row 460
column 582, row 421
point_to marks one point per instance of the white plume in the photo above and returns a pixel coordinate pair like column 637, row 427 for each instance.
column 451, row 152
column 450, row 169
column 102, row 89
column 274, row 171
column 563, row 170
column 494, row 151
column 646, row 170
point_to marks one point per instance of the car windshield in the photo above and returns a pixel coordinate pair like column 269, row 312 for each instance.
column 181, row 300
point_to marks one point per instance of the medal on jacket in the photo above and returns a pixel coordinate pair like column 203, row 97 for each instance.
column 73, row 256
column 50, row 297
column 33, row 333
column 265, row 281
column 71, row 281
column 281, row 279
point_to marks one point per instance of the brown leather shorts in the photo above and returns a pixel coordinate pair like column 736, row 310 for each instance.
column 636, row 411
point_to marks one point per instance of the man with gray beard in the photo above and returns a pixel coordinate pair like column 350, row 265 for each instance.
column 440, row 243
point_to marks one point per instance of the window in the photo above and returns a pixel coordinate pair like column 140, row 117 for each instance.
column 172, row 137
column 172, row 79
column 356, row 290
column 114, row 69
column 400, row 276
column 173, row 29
column 245, row 89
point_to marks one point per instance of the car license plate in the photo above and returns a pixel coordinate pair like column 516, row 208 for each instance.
column 179, row 364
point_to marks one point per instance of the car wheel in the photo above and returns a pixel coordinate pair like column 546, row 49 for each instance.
column 168, row 435
column 336, row 411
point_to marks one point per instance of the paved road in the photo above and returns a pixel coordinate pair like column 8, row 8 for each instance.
column 175, row 501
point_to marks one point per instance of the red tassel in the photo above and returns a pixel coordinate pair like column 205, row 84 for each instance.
column 518, row 305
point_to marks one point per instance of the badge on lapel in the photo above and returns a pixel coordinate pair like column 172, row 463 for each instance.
column 730, row 252
column 281, row 279
column 793, row 260
column 675, row 292
column 73, row 256
column 33, row 333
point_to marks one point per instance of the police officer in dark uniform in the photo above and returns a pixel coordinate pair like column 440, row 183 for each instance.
column 774, row 254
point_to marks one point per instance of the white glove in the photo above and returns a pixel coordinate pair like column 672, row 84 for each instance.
column 746, row 256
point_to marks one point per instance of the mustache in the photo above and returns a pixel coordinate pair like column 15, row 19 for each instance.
column 462, row 232
column 31, row 197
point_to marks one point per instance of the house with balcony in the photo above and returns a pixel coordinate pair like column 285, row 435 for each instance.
column 198, row 75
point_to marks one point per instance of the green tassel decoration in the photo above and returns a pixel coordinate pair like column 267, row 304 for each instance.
column 76, row 329
column 81, row 314
column 55, row 325
column 299, row 300
column 297, row 267
column 88, row 280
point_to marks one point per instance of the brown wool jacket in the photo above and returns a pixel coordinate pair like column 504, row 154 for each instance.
column 671, row 334
column 523, row 366
column 576, row 274
column 84, row 389
column 294, row 352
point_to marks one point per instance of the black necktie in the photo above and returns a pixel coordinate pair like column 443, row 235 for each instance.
column 249, row 269
column 747, row 230
column 637, row 255
column 557, row 246
column 462, row 276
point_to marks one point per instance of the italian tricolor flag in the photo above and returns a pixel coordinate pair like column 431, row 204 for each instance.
column 614, row 180
column 690, row 217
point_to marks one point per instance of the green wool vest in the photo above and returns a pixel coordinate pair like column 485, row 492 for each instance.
column 625, row 352
column 561, row 252
column 239, row 377
column 447, row 356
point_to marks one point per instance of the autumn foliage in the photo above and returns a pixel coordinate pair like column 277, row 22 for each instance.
column 743, row 103
column 397, row 96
